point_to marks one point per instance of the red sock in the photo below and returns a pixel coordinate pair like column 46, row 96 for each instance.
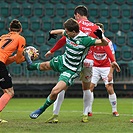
column 4, row 100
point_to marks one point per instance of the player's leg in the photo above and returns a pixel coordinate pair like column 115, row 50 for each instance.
column 36, row 66
column 85, row 87
column 61, row 85
column 39, row 66
column 6, row 85
column 85, row 77
column 5, row 98
column 58, row 102
column 112, row 99
column 110, row 90
column 91, row 102
column 56, row 108
column 91, row 99
column 94, row 80
column 1, row 120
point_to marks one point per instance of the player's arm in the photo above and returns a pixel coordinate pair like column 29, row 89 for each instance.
column 59, row 44
column 109, row 53
column 113, row 66
column 58, row 32
column 19, row 55
column 55, row 32
column 10, row 60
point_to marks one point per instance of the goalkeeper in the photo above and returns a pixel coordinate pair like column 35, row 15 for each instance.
column 9, row 43
column 70, row 63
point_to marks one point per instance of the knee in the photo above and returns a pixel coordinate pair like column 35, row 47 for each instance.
column 54, row 93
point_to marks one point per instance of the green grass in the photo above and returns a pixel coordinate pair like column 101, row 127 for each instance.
column 18, row 110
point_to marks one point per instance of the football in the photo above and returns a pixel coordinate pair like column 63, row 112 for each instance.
column 32, row 52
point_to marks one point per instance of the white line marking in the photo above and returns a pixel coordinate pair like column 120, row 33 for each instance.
column 67, row 111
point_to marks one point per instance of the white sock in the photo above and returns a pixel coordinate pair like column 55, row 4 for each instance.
column 87, row 99
column 91, row 102
column 113, row 102
column 58, row 102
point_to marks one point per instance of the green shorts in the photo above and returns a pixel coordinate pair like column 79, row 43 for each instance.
column 66, row 75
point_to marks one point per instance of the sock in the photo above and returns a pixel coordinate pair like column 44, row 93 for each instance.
column 58, row 102
column 87, row 99
column 113, row 102
column 91, row 102
column 47, row 104
column 34, row 66
column 4, row 100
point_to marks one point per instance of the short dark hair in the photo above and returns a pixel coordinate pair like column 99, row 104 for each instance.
column 15, row 25
column 71, row 25
column 81, row 10
column 100, row 25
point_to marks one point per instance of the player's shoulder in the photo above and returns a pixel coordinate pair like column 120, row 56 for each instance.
column 4, row 35
column 21, row 37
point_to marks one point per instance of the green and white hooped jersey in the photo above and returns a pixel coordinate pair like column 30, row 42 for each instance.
column 76, row 51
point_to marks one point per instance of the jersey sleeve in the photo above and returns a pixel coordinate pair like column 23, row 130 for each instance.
column 89, row 41
column 59, row 44
column 109, row 53
column 111, row 47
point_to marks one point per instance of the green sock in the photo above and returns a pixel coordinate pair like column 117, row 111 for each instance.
column 47, row 104
column 34, row 66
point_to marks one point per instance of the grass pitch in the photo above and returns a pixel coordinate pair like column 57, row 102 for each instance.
column 18, row 110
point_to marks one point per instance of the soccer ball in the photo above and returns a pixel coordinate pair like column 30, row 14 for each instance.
column 32, row 52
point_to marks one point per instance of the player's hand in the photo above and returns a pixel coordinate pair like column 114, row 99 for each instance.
column 48, row 54
column 115, row 66
column 98, row 33
column 54, row 36
column 88, row 63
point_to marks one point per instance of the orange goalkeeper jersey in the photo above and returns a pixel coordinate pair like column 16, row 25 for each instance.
column 10, row 43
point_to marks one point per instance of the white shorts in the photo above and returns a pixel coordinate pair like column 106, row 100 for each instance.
column 86, row 74
column 100, row 72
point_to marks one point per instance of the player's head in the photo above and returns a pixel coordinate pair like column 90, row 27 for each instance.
column 71, row 27
column 80, row 11
column 100, row 25
column 15, row 25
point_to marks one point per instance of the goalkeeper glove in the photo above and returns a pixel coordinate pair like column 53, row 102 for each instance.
column 52, row 36
column 98, row 33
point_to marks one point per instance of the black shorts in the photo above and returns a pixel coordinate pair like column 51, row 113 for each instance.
column 5, row 77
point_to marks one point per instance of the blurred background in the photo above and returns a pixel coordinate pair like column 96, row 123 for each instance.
column 40, row 16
